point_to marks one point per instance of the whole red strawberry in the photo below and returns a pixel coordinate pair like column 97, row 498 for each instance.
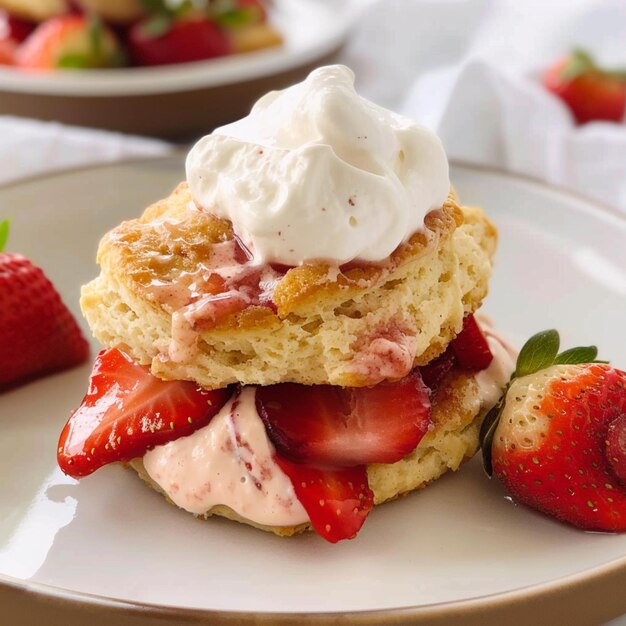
column 166, row 40
column 557, row 441
column 38, row 334
column 590, row 92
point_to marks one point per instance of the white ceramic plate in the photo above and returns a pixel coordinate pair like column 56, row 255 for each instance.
column 560, row 264
column 311, row 28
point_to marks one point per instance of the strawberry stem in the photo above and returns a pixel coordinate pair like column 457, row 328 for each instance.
column 4, row 233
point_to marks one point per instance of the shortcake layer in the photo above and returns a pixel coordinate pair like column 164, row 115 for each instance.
column 457, row 411
column 313, row 324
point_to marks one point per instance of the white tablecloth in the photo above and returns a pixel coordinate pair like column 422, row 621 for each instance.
column 30, row 147
column 469, row 69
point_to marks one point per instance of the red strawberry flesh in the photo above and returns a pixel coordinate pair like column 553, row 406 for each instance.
column 435, row 372
column 569, row 476
column 345, row 427
column 184, row 41
column 128, row 411
column 336, row 500
column 14, row 28
column 68, row 41
column 471, row 348
column 616, row 447
column 38, row 334
column 590, row 94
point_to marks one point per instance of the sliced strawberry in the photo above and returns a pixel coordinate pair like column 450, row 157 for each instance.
column 71, row 42
column 336, row 500
column 165, row 41
column 128, row 411
column 470, row 347
column 344, row 427
column 434, row 373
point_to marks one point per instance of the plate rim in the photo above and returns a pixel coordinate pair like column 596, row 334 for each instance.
column 207, row 74
column 608, row 578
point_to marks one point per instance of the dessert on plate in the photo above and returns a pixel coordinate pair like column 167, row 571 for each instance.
column 43, row 35
column 291, row 335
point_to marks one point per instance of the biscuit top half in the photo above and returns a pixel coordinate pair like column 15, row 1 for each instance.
column 175, row 254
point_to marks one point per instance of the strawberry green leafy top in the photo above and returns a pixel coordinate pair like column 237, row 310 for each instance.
column 4, row 233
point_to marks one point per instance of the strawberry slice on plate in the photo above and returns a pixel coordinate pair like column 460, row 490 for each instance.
column 336, row 500
column 345, row 427
column 128, row 411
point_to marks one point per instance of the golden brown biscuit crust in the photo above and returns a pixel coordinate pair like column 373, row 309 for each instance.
column 130, row 250
column 324, row 320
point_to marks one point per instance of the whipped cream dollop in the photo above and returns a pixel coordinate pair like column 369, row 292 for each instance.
column 316, row 172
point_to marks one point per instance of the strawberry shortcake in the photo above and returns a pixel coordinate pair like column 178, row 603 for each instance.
column 290, row 336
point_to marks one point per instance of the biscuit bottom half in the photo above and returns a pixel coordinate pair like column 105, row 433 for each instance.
column 456, row 414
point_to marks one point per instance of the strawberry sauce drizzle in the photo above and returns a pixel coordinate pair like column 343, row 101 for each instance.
column 228, row 282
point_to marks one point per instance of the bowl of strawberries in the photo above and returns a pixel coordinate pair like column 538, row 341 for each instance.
column 165, row 68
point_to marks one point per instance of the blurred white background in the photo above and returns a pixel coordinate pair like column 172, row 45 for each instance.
column 471, row 69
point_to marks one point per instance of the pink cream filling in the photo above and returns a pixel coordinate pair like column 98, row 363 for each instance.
column 230, row 461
